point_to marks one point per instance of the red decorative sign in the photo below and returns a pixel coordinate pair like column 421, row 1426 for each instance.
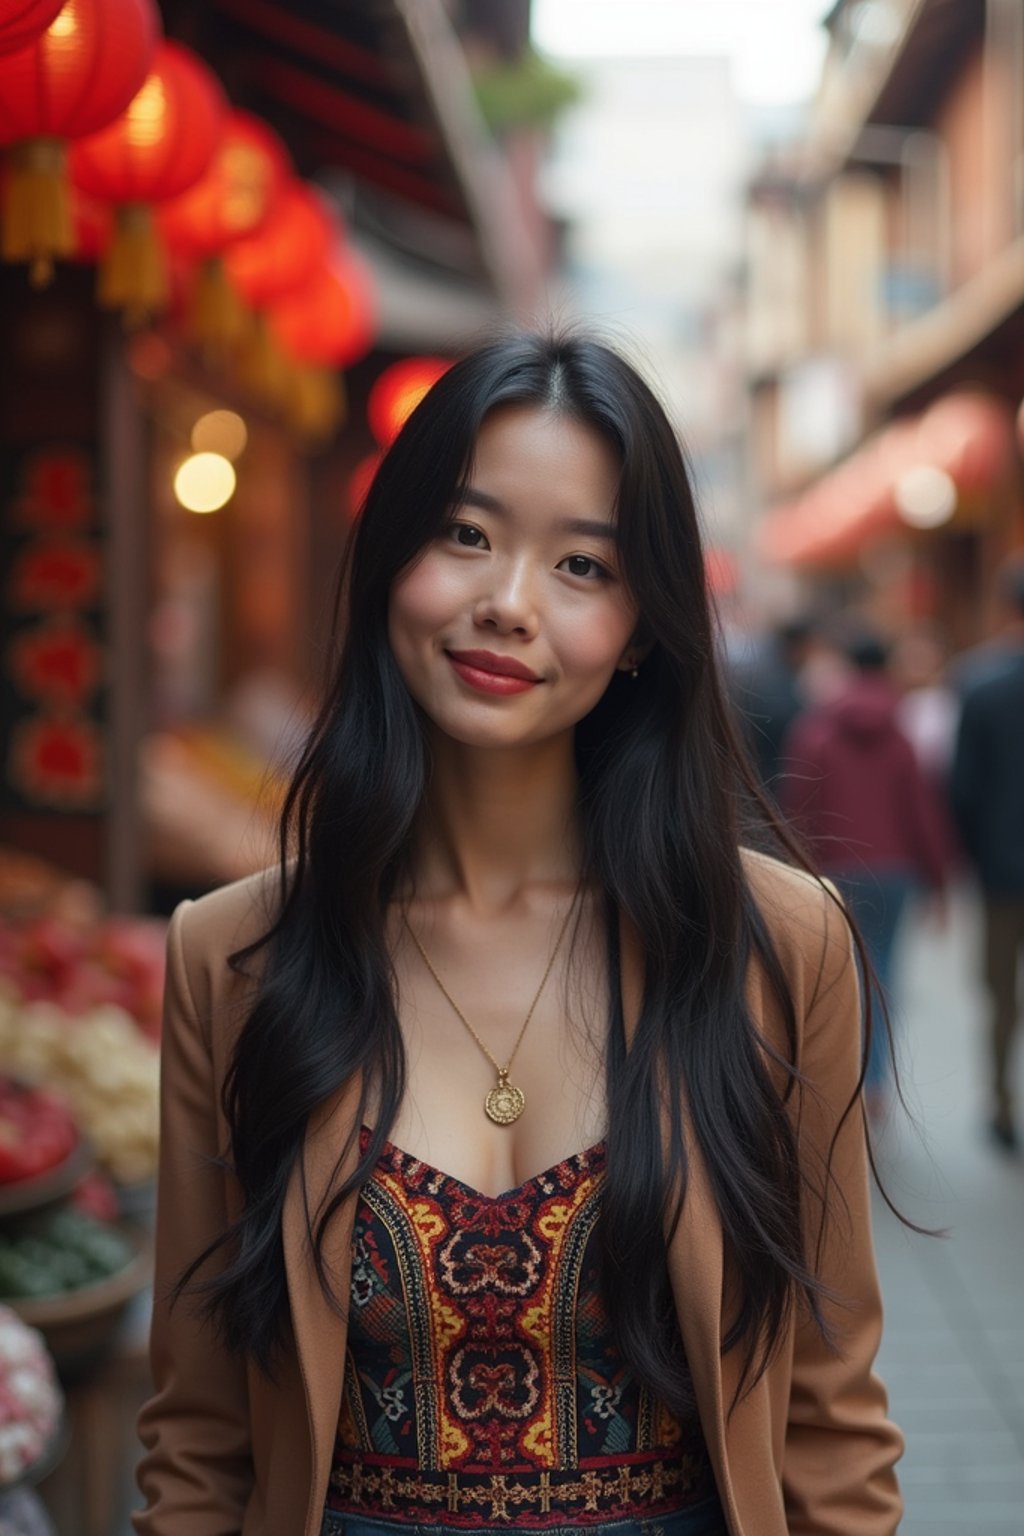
column 56, row 497
column 57, row 663
column 55, row 573
column 51, row 655
column 57, row 762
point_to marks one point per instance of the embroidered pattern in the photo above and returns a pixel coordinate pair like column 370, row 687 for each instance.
column 482, row 1381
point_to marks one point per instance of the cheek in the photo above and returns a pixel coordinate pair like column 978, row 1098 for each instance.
column 592, row 643
column 421, row 599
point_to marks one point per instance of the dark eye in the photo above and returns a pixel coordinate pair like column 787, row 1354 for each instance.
column 467, row 534
column 583, row 565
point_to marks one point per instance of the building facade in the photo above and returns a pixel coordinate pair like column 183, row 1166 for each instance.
column 885, row 315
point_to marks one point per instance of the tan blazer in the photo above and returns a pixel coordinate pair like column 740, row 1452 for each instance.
column 808, row 1452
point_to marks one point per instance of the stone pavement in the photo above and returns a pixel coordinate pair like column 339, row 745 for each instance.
column 953, row 1354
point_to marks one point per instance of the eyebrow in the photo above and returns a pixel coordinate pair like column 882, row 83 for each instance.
column 588, row 527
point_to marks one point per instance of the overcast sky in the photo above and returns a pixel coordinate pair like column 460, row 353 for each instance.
column 776, row 45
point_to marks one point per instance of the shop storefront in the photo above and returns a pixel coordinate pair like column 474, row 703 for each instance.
column 236, row 245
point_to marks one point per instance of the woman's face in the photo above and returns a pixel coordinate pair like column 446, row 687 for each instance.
column 525, row 577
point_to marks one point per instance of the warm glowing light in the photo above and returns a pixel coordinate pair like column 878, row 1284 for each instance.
column 146, row 112
column 205, row 482
column 925, row 496
column 222, row 432
column 65, row 24
column 248, row 186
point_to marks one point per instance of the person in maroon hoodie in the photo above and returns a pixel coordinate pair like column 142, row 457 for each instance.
column 852, row 785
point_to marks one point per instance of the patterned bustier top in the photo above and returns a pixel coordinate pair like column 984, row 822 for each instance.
column 482, row 1382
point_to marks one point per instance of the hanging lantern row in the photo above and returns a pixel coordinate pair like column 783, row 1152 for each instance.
column 122, row 149
column 157, row 148
column 71, row 79
column 234, row 198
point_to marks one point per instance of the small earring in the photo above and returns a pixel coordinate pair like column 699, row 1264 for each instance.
column 634, row 672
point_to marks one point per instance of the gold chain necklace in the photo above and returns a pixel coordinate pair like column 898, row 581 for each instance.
column 505, row 1102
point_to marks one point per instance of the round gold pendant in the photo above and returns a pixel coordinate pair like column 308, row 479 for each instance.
column 505, row 1102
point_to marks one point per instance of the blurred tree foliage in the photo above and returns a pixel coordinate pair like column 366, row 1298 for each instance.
column 527, row 92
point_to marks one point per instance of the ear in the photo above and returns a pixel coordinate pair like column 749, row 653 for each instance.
column 635, row 652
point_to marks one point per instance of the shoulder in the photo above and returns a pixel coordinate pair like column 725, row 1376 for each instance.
column 207, row 931
column 806, row 922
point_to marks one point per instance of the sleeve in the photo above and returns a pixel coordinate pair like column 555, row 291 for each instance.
column 840, row 1445
column 196, row 1472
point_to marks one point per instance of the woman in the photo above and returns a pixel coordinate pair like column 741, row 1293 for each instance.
column 513, row 1174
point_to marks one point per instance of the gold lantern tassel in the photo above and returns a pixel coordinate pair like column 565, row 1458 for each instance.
column 37, row 223
column 262, row 366
column 133, row 272
column 317, row 405
column 217, row 316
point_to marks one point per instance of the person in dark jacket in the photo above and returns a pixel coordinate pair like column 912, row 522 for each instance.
column 767, row 694
column 855, row 790
column 999, row 653
column 987, row 787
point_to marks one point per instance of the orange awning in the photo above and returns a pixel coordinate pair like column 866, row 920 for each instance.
column 969, row 435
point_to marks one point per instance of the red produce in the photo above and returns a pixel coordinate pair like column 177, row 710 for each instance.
column 37, row 1131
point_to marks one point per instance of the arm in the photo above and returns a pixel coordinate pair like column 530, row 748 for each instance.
column 196, row 1473
column 840, row 1447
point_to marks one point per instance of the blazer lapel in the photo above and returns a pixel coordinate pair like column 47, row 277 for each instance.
column 320, row 1333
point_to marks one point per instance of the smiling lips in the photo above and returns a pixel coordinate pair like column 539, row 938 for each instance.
column 491, row 673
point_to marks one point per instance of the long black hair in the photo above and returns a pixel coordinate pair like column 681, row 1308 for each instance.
column 665, row 798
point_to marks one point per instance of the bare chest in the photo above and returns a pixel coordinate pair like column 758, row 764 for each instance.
column 453, row 1063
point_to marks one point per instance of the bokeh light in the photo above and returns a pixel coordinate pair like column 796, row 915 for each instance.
column 222, row 432
column 925, row 496
column 205, row 482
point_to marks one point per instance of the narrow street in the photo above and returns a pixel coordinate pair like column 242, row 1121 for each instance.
column 953, row 1354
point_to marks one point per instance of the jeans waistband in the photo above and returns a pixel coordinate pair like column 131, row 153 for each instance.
column 703, row 1519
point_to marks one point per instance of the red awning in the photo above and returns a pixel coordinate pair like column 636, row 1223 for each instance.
column 969, row 435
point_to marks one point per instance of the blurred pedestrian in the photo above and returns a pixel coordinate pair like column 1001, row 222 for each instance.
column 767, row 693
column 854, row 788
column 993, row 656
column 988, row 802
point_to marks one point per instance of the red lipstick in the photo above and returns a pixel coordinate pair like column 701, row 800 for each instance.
column 491, row 673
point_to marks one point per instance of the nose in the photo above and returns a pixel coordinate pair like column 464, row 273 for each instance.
column 508, row 606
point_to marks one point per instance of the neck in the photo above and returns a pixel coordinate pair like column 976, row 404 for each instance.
column 495, row 822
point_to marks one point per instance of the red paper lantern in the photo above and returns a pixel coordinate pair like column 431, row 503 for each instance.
column 80, row 73
column 163, row 141
column 331, row 320
column 73, row 79
column 233, row 199
column 161, row 145
column 21, row 21
column 398, row 391
column 295, row 239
